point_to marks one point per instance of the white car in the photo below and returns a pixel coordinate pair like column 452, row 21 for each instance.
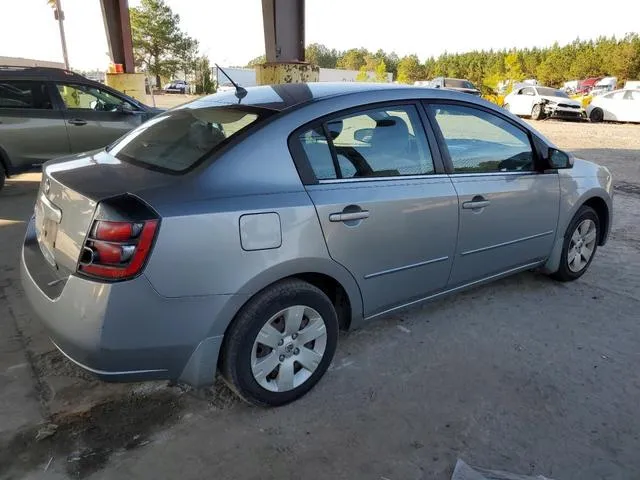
column 618, row 106
column 542, row 102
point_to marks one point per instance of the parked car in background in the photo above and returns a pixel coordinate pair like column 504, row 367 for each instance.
column 604, row 85
column 617, row 106
column 632, row 85
column 240, row 233
column 543, row 102
column 456, row 84
column 585, row 86
column 177, row 86
column 47, row 113
column 226, row 87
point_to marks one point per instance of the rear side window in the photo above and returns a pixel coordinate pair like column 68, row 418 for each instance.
column 24, row 94
column 179, row 139
column 383, row 142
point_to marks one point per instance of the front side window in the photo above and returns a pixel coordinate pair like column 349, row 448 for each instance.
column 528, row 91
column 383, row 142
column 89, row 98
column 481, row 142
column 177, row 140
column 24, row 94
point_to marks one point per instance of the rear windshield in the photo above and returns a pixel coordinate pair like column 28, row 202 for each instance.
column 455, row 83
column 551, row 92
column 179, row 139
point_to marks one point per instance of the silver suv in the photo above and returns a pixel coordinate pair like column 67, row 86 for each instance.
column 48, row 112
column 241, row 231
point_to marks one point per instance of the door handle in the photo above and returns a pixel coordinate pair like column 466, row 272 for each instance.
column 346, row 217
column 77, row 121
column 476, row 202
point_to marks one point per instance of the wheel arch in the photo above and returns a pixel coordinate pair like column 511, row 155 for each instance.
column 599, row 204
column 5, row 162
column 602, row 210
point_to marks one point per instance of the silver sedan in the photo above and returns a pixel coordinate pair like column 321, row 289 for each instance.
column 240, row 232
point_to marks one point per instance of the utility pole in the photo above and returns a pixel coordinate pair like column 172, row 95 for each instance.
column 59, row 15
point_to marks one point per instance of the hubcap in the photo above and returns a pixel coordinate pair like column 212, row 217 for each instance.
column 582, row 245
column 288, row 348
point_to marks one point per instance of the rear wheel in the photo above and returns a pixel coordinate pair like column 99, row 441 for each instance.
column 280, row 344
column 580, row 245
column 537, row 113
column 596, row 115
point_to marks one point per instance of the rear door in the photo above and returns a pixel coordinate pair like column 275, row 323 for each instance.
column 508, row 210
column 31, row 129
column 96, row 117
column 387, row 210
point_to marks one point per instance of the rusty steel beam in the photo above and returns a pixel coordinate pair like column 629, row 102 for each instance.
column 283, row 22
column 115, row 14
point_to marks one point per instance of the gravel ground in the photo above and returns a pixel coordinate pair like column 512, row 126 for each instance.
column 525, row 375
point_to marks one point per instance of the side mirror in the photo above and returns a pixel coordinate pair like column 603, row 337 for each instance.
column 560, row 159
column 363, row 135
column 124, row 107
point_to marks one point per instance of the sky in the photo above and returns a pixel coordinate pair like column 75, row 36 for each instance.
column 230, row 31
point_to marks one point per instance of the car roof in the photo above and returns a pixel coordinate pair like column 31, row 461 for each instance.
column 288, row 95
column 39, row 73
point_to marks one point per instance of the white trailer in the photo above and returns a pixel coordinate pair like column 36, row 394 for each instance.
column 246, row 77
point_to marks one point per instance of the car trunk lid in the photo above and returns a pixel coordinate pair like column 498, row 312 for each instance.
column 69, row 193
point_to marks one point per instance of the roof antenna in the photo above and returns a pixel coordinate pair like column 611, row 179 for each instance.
column 240, row 91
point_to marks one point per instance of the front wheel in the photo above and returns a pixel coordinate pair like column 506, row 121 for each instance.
column 280, row 344
column 3, row 176
column 596, row 115
column 580, row 245
column 537, row 113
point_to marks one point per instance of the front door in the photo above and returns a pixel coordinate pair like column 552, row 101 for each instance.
column 508, row 210
column 32, row 131
column 387, row 214
column 95, row 117
column 522, row 102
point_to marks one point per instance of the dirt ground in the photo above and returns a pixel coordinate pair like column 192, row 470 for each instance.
column 525, row 375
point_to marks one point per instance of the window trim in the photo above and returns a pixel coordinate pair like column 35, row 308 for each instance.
column 303, row 165
column 538, row 166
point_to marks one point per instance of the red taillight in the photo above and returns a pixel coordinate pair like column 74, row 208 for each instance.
column 113, row 231
column 117, row 250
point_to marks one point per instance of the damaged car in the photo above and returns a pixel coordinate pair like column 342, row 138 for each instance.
column 543, row 102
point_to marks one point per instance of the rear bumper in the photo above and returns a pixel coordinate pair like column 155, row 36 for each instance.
column 126, row 331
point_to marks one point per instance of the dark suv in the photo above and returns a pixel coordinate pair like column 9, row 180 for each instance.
column 48, row 112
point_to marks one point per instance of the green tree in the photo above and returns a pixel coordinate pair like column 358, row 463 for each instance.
column 257, row 61
column 352, row 59
column 381, row 71
column 410, row 69
column 204, row 78
column 157, row 38
column 363, row 75
column 187, row 53
column 320, row 55
column 513, row 67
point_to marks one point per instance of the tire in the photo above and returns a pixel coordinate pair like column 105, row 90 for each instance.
column 596, row 115
column 567, row 270
column 265, row 314
column 537, row 112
